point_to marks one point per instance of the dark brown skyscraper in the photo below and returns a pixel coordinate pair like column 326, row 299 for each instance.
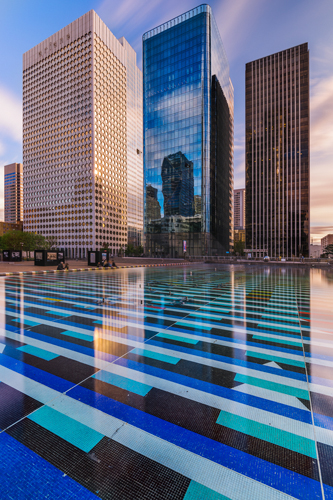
column 277, row 153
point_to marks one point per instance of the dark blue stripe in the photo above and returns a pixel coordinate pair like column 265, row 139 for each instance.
column 248, row 342
column 320, row 381
column 318, row 356
column 194, row 352
column 260, row 470
column 323, row 421
column 234, row 361
column 45, row 378
column 71, row 346
column 18, row 480
column 328, row 492
column 224, row 392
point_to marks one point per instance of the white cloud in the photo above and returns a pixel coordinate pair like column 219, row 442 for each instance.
column 236, row 20
column 322, row 116
column 10, row 115
column 132, row 18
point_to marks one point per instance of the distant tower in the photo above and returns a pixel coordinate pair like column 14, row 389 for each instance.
column 239, row 209
column 14, row 192
column 277, row 154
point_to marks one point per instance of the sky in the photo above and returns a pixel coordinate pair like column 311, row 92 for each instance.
column 250, row 29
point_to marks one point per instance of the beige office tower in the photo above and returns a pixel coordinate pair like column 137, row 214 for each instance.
column 239, row 209
column 82, row 131
column 14, row 192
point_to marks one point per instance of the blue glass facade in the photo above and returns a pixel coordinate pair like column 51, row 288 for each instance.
column 180, row 59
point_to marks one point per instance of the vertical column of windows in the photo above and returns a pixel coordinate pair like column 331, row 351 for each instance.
column 57, row 148
column 110, row 161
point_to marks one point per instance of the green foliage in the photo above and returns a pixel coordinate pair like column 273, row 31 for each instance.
column 239, row 247
column 50, row 243
column 131, row 250
column 20, row 240
column 328, row 250
column 105, row 247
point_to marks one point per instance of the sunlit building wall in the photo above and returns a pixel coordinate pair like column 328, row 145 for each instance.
column 79, row 142
column 277, row 154
column 14, row 192
column 188, row 137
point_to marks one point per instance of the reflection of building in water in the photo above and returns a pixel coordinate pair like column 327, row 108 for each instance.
column 239, row 235
column 188, row 136
column 197, row 204
column 153, row 208
column 175, row 224
column 178, row 185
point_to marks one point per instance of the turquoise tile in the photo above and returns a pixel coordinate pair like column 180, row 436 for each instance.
column 178, row 338
column 123, row 383
column 26, row 321
column 267, row 433
column 197, row 491
column 192, row 324
column 59, row 313
column 278, row 341
column 278, row 359
column 36, row 351
column 155, row 355
column 272, row 386
column 70, row 430
column 75, row 335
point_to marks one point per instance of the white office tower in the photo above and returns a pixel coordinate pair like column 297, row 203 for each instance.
column 82, row 131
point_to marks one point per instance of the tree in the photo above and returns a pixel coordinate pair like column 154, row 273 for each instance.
column 239, row 247
column 51, row 243
column 129, row 250
column 328, row 250
column 138, row 251
column 106, row 246
column 20, row 240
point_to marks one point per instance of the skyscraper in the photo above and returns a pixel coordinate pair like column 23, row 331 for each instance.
column 277, row 154
column 82, row 145
column 239, row 215
column 239, row 208
column 188, row 136
column 14, row 192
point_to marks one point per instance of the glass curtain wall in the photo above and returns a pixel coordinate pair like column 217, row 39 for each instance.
column 177, row 68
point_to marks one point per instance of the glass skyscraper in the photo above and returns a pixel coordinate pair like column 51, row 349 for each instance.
column 188, row 138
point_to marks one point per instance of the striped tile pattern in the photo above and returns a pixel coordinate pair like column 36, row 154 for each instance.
column 168, row 383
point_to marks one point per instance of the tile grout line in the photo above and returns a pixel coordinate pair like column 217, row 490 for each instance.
column 308, row 384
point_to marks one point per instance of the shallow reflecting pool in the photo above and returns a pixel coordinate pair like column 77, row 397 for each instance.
column 194, row 382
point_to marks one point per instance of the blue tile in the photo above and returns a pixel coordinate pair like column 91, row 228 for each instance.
column 25, row 475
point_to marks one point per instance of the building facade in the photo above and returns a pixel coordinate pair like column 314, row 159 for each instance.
column 14, row 192
column 277, row 154
column 188, row 138
column 5, row 227
column 239, row 209
column 82, row 138
column 327, row 240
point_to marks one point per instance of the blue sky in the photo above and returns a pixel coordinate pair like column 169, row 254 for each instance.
column 250, row 29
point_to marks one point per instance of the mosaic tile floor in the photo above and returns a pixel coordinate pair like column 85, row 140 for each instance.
column 185, row 383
